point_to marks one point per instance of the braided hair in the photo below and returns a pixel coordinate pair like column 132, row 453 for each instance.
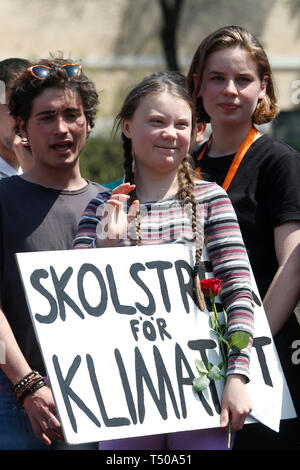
column 185, row 193
column 175, row 83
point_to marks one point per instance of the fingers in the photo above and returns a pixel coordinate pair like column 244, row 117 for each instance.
column 237, row 418
column 117, row 200
column 38, row 431
column 50, row 429
column 44, row 438
column 24, row 157
column 224, row 418
column 41, row 411
column 236, row 403
column 40, row 434
column 133, row 211
column 237, row 423
column 119, row 195
column 124, row 188
column 115, row 221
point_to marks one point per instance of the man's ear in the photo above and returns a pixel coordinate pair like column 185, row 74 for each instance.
column 88, row 127
column 126, row 128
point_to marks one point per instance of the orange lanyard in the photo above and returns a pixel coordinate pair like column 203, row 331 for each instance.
column 244, row 147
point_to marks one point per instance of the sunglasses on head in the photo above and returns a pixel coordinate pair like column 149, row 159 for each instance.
column 41, row 72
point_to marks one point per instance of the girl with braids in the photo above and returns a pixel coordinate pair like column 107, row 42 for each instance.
column 231, row 81
column 164, row 204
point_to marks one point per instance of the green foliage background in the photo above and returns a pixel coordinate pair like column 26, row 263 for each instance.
column 101, row 159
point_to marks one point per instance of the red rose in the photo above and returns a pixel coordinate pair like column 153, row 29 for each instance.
column 212, row 285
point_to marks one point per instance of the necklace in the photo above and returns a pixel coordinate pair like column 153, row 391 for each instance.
column 242, row 150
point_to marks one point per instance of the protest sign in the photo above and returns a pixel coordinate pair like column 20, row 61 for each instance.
column 120, row 334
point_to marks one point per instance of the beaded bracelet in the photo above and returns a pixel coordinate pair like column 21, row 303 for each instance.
column 25, row 380
column 36, row 386
column 27, row 385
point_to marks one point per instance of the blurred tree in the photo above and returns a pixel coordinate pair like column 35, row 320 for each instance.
column 177, row 26
column 294, row 6
column 171, row 10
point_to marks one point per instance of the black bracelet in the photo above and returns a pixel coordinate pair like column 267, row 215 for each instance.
column 25, row 380
column 33, row 388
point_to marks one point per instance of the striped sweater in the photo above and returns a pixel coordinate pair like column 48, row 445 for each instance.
column 168, row 221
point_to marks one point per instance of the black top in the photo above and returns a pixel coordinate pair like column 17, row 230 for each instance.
column 265, row 193
column 33, row 218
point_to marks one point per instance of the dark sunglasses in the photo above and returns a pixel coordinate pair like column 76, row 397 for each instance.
column 41, row 72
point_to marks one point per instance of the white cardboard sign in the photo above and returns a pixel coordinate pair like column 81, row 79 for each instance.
column 120, row 334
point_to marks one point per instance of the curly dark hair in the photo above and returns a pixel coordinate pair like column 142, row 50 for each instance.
column 28, row 88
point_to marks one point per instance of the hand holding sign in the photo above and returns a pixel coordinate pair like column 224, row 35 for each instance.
column 42, row 413
column 236, row 404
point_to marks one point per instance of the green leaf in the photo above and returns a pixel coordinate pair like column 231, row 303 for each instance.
column 213, row 322
column 214, row 373
column 201, row 367
column 200, row 383
column 240, row 340
column 225, row 317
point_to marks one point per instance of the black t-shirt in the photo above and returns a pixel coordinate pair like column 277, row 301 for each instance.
column 33, row 218
column 265, row 193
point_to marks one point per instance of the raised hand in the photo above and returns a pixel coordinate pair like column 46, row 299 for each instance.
column 115, row 221
column 23, row 154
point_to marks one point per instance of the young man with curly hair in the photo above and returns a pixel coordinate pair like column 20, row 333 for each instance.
column 54, row 105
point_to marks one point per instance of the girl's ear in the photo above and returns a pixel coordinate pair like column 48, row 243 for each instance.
column 263, row 90
column 126, row 128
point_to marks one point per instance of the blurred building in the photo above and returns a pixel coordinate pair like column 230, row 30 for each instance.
column 119, row 41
